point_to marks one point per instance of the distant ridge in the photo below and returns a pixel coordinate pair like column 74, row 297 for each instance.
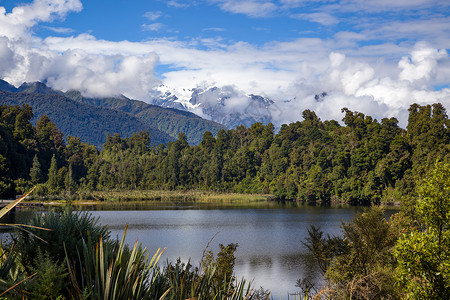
column 5, row 86
column 169, row 120
column 92, row 118
column 89, row 123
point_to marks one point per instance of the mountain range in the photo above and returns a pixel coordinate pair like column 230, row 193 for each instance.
column 92, row 119
column 224, row 105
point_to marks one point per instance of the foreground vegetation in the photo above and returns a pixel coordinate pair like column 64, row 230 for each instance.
column 405, row 258
column 68, row 255
column 317, row 162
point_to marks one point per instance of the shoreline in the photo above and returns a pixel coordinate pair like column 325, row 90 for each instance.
column 91, row 198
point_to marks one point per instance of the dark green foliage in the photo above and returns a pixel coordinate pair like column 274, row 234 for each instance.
column 324, row 249
column 52, row 181
column 423, row 252
column 36, row 171
column 50, row 280
column 67, row 232
column 405, row 258
column 214, row 279
column 314, row 162
column 360, row 264
column 113, row 271
column 223, row 263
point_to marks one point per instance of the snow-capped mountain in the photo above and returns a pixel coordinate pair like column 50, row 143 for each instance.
column 224, row 105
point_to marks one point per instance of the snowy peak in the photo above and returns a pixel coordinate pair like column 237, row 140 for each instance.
column 173, row 98
column 225, row 105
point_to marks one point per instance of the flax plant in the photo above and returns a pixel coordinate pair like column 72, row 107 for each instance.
column 113, row 271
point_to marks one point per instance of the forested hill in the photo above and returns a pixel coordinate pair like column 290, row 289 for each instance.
column 90, row 123
column 312, row 161
column 169, row 120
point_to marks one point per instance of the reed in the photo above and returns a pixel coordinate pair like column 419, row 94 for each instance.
column 167, row 196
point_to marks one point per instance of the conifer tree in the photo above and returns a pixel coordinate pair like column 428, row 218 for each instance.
column 36, row 171
column 69, row 181
column 52, row 181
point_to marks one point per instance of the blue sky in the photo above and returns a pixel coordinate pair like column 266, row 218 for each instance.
column 377, row 57
column 259, row 23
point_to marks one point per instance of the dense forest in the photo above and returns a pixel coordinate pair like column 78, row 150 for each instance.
column 362, row 162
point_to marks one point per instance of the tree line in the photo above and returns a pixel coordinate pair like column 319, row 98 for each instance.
column 361, row 162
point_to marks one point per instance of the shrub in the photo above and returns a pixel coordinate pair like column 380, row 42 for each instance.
column 67, row 231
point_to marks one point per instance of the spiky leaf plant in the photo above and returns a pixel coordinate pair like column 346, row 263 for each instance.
column 113, row 271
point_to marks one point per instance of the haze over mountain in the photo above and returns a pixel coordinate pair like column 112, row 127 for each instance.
column 92, row 119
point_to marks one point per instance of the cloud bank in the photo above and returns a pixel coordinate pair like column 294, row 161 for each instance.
column 376, row 68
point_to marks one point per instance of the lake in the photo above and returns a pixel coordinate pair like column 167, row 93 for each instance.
column 270, row 250
column 269, row 238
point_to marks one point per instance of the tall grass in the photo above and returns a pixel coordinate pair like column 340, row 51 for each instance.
column 164, row 196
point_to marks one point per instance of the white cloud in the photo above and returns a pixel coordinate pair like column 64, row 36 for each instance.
column 6, row 56
column 153, row 27
column 385, row 5
column 435, row 30
column 103, row 75
column 421, row 64
column 27, row 58
column 353, row 67
column 15, row 24
column 252, row 8
column 216, row 29
column 296, row 70
column 180, row 3
column 59, row 29
column 320, row 17
column 153, row 15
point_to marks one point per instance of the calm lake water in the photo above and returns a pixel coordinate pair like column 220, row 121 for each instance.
column 270, row 250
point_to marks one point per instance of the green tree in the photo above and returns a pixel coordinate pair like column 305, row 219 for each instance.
column 69, row 182
column 52, row 181
column 359, row 265
column 423, row 255
column 5, row 182
column 224, row 265
column 36, row 171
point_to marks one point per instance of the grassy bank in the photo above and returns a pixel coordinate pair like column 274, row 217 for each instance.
column 114, row 196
